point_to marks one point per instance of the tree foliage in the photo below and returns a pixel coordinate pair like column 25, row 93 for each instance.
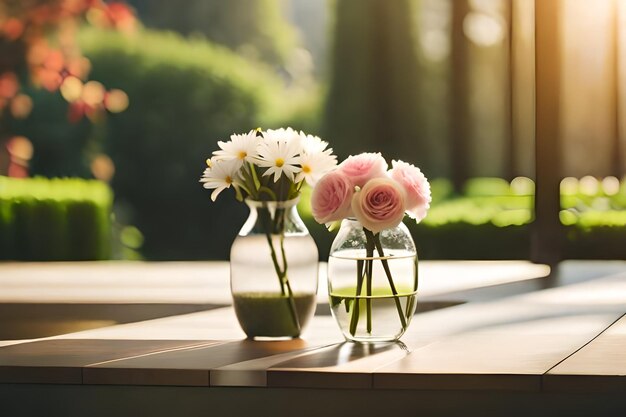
column 255, row 28
column 373, row 97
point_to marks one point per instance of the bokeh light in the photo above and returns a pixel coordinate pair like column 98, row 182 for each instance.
column 116, row 101
column 610, row 185
column 103, row 168
column 71, row 89
column 522, row 186
column 21, row 106
column 589, row 185
column 483, row 29
column 569, row 186
column 21, row 148
column 93, row 93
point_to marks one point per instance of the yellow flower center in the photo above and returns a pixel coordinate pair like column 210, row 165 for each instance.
column 280, row 162
column 228, row 179
column 306, row 169
column 242, row 155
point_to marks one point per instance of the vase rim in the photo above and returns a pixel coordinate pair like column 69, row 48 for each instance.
column 352, row 220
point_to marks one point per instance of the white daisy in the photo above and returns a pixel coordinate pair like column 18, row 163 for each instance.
column 282, row 135
column 312, row 144
column 240, row 148
column 279, row 157
column 315, row 165
column 221, row 174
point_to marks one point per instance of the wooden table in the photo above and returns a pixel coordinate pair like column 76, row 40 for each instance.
column 556, row 349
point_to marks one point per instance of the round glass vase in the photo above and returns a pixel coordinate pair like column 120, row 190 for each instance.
column 372, row 282
column 273, row 271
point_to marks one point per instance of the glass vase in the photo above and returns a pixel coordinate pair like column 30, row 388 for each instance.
column 372, row 282
column 274, row 271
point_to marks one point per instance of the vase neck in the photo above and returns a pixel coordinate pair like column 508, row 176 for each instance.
column 272, row 205
column 273, row 217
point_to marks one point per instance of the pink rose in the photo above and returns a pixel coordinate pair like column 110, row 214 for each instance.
column 363, row 167
column 379, row 205
column 416, row 187
column 332, row 197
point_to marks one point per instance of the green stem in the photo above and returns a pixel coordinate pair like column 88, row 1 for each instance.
column 266, row 219
column 379, row 247
column 368, row 285
column 285, row 280
column 255, row 178
column 250, row 186
column 409, row 307
column 281, row 273
column 275, row 262
column 354, row 318
column 268, row 191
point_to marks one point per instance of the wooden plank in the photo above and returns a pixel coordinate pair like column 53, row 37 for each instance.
column 186, row 366
column 253, row 373
column 220, row 324
column 460, row 340
column 60, row 361
column 207, row 283
column 37, row 320
column 116, row 282
column 13, row 342
column 523, row 325
column 507, row 344
column 600, row 366
column 192, row 366
column 346, row 365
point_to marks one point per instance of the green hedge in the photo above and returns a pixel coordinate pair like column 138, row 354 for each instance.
column 185, row 95
column 493, row 218
column 54, row 219
column 257, row 28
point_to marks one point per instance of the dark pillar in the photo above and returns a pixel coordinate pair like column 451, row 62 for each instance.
column 510, row 170
column 460, row 128
column 547, row 232
column 617, row 164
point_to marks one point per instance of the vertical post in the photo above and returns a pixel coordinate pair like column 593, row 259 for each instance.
column 460, row 129
column 546, row 238
column 617, row 164
column 511, row 163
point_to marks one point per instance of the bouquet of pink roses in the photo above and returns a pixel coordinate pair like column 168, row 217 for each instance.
column 362, row 187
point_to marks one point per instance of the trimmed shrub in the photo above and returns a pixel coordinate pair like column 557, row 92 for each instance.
column 54, row 219
column 255, row 28
column 184, row 96
column 493, row 221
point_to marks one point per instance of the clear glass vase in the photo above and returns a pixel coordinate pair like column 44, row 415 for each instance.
column 274, row 271
column 372, row 282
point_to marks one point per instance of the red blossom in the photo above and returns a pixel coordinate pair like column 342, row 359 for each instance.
column 31, row 24
column 12, row 28
column 9, row 85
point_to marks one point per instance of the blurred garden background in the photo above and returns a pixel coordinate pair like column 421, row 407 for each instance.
column 129, row 99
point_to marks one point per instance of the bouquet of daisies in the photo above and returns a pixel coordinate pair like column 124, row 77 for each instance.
column 270, row 166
